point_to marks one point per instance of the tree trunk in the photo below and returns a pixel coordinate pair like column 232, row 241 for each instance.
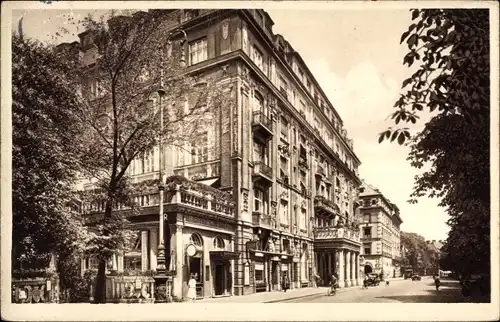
column 100, row 287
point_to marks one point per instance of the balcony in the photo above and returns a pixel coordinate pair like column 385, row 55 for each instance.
column 320, row 171
column 303, row 165
column 263, row 172
column 262, row 125
column 323, row 205
column 182, row 192
column 263, row 220
column 336, row 233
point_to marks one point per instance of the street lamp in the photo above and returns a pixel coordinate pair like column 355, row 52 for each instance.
column 161, row 267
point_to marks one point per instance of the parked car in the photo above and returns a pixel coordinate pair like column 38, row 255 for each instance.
column 373, row 280
column 416, row 277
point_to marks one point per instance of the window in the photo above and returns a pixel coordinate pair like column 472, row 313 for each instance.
column 282, row 84
column 366, row 218
column 303, row 218
column 284, row 127
column 258, row 103
column 367, row 232
column 260, row 152
column 260, row 201
column 284, row 212
column 257, row 57
column 219, row 243
column 199, row 151
column 367, row 249
column 197, row 51
column 374, row 201
column 259, row 273
column 196, row 240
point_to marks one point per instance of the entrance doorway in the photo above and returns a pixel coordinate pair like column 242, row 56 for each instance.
column 368, row 269
column 195, row 267
column 220, row 279
column 274, row 275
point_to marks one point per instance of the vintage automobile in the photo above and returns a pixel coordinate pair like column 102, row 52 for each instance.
column 372, row 280
column 416, row 277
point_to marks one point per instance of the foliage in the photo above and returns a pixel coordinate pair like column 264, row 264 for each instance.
column 452, row 47
column 419, row 255
column 121, row 109
column 452, row 82
column 45, row 159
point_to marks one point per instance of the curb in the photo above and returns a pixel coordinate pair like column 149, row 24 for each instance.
column 342, row 290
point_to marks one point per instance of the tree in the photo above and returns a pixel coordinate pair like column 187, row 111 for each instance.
column 45, row 159
column 419, row 255
column 120, row 98
column 452, row 82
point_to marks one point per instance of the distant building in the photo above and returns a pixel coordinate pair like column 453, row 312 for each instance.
column 380, row 233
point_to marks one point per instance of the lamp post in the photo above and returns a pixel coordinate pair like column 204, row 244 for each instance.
column 161, row 266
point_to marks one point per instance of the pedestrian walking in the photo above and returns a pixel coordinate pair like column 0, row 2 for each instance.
column 192, row 287
column 437, row 282
column 333, row 285
column 316, row 279
column 284, row 282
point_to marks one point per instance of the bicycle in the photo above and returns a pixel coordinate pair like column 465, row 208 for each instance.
column 332, row 291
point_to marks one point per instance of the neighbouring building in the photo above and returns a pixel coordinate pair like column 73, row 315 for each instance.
column 273, row 188
column 380, row 233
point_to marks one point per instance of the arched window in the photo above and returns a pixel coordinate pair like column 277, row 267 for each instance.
column 219, row 243
column 196, row 240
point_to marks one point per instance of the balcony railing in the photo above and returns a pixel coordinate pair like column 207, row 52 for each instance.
column 262, row 124
column 320, row 170
column 199, row 196
column 263, row 220
column 324, row 205
column 262, row 169
column 336, row 233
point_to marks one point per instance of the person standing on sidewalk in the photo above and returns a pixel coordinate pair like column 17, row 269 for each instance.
column 284, row 282
column 191, row 294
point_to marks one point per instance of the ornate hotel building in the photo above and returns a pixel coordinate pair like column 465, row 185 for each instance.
column 381, row 234
column 272, row 188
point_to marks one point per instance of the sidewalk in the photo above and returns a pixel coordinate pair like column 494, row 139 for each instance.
column 268, row 297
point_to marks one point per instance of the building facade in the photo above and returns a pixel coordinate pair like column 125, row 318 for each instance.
column 272, row 187
column 380, row 233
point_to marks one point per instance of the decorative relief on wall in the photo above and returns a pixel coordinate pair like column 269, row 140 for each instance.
column 225, row 29
column 244, row 36
column 245, row 201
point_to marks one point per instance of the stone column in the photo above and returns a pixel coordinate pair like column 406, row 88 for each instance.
column 120, row 262
column 82, row 265
column 153, row 248
column 329, row 255
column 144, row 250
column 356, row 261
column 231, row 241
column 114, row 262
column 178, row 254
column 348, row 269
column 341, row 277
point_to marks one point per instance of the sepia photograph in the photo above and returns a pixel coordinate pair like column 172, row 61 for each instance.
column 244, row 160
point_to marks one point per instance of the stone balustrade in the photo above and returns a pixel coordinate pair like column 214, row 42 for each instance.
column 130, row 289
column 198, row 199
column 35, row 290
column 336, row 232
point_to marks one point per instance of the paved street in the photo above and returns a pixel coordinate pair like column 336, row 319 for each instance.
column 399, row 291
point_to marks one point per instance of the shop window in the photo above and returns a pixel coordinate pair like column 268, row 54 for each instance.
column 259, row 274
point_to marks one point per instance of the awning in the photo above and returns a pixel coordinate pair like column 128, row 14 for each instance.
column 208, row 182
column 223, row 254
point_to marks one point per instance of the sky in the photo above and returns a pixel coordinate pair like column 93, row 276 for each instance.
column 356, row 57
